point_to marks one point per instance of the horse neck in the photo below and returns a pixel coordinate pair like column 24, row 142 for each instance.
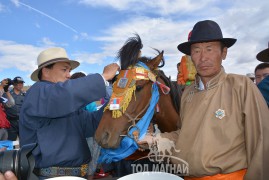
column 168, row 118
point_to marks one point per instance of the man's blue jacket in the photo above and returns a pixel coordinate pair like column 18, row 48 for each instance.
column 264, row 88
column 52, row 116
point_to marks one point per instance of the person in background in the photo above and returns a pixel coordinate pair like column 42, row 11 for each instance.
column 178, row 72
column 262, row 75
column 93, row 146
column 225, row 127
column 186, row 69
column 7, row 101
column 261, row 71
column 13, row 112
column 52, row 114
column 91, row 107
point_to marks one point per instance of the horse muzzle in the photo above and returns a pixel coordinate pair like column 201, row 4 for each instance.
column 105, row 140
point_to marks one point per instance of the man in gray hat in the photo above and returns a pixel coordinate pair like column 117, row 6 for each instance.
column 225, row 127
column 52, row 115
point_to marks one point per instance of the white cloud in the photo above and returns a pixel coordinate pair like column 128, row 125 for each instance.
column 2, row 7
column 246, row 21
column 119, row 5
column 47, row 42
column 163, row 7
column 20, row 56
column 37, row 25
column 162, row 25
column 90, row 58
column 15, row 2
column 81, row 36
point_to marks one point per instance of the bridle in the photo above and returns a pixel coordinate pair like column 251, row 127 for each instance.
column 125, row 86
column 140, row 72
column 132, row 120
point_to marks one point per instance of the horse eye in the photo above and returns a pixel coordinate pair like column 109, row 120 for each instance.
column 138, row 88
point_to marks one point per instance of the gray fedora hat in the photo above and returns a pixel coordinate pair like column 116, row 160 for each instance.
column 263, row 56
column 51, row 56
column 205, row 31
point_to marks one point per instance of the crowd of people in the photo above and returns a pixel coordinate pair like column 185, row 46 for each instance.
column 11, row 102
column 224, row 132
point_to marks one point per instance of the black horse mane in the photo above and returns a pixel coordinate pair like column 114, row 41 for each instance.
column 129, row 55
column 129, row 52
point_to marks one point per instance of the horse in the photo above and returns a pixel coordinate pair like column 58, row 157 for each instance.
column 115, row 124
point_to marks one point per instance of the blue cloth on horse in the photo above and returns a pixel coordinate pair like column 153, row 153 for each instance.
column 128, row 146
column 7, row 144
column 91, row 107
column 264, row 88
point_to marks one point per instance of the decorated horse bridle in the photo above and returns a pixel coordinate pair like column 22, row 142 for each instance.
column 123, row 90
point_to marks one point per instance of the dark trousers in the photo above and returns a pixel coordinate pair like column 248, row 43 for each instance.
column 3, row 134
column 13, row 131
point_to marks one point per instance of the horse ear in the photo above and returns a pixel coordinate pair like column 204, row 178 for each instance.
column 153, row 64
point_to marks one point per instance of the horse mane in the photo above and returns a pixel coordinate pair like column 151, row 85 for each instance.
column 129, row 53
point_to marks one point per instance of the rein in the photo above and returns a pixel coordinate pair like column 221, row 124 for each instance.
column 133, row 120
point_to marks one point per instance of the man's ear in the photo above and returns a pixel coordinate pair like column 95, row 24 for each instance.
column 45, row 73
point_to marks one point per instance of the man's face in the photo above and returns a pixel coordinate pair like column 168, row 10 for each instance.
column 18, row 86
column 207, row 58
column 260, row 74
column 60, row 72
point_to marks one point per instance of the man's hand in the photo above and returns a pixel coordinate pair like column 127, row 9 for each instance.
column 9, row 175
column 3, row 149
column 3, row 82
column 146, row 142
column 110, row 71
column 6, row 83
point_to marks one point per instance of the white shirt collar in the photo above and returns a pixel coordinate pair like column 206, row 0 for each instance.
column 201, row 85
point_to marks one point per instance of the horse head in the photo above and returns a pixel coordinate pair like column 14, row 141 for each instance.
column 132, row 95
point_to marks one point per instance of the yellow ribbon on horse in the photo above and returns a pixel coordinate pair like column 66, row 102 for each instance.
column 123, row 94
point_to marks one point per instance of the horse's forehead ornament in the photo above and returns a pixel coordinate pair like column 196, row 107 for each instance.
column 122, row 83
column 124, row 88
column 151, row 76
column 140, row 73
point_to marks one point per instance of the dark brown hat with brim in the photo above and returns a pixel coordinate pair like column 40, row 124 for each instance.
column 263, row 56
column 205, row 31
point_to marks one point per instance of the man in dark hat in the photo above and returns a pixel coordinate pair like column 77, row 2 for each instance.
column 225, row 127
column 13, row 112
column 263, row 56
column 262, row 73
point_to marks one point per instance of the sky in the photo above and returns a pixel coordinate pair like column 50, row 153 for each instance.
column 92, row 31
